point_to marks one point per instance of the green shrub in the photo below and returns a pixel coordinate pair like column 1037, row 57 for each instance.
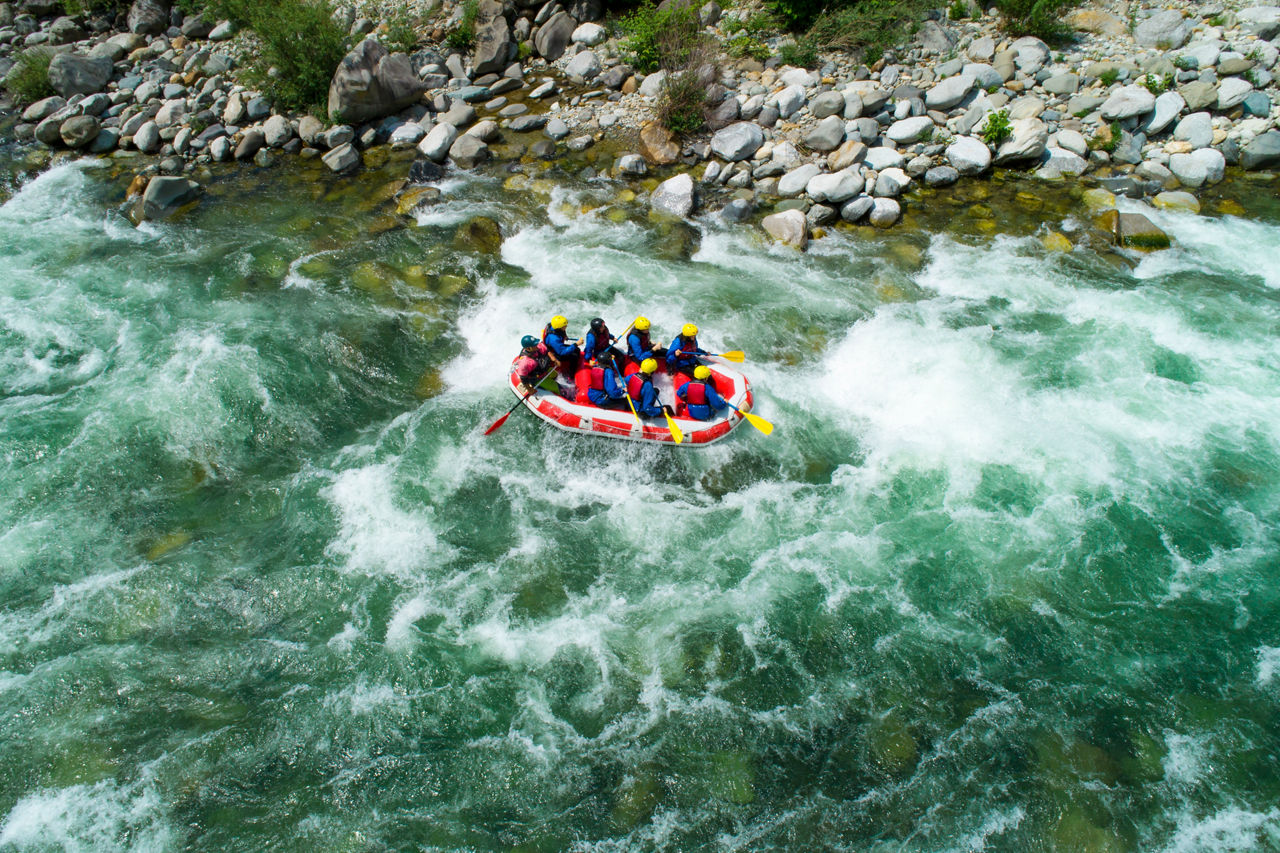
column 661, row 38
column 1039, row 18
column 1217, row 21
column 796, row 14
column 463, row 36
column 1185, row 63
column 802, row 54
column 1155, row 84
column 682, row 103
column 299, row 46
column 1109, row 76
column 869, row 27
column 400, row 36
column 85, row 7
column 1107, row 140
column 29, row 79
column 760, row 24
column 959, row 9
column 743, row 45
column 997, row 128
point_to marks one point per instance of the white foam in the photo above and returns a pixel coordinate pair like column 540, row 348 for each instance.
column 1240, row 248
column 1231, row 829
column 1268, row 665
column 362, row 699
column 994, row 824
column 1186, row 760
column 101, row 817
column 375, row 535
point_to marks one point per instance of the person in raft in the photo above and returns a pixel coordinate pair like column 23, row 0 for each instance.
column 567, row 354
column 683, row 353
column 701, row 399
column 603, row 389
column 639, row 347
column 598, row 342
column 640, row 387
column 535, row 363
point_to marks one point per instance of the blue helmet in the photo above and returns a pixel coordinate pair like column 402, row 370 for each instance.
column 528, row 341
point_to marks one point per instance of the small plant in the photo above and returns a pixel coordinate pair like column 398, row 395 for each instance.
column 524, row 50
column 1107, row 138
column 1255, row 78
column 1040, row 18
column 682, row 103
column 1109, row 77
column 759, row 24
column 1217, row 21
column 795, row 14
column 400, row 36
column 743, row 45
column 959, row 9
column 1155, row 84
column 801, row 54
column 997, row 128
column 661, row 38
column 1185, row 63
column 463, row 36
column 29, row 79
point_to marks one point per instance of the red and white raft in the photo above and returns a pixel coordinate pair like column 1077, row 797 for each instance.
column 564, row 413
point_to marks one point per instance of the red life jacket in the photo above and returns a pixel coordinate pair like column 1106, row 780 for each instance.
column 634, row 383
column 596, row 380
column 695, row 394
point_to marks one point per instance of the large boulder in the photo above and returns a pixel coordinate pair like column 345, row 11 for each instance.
column 737, row 141
column 164, row 195
column 1029, row 140
column 1127, row 102
column 79, row 131
column 674, row 196
column 658, row 145
column 371, row 83
column 148, row 17
column 468, row 151
column 908, row 130
column 826, row 135
column 950, row 92
column 1166, row 30
column 493, row 38
column 438, row 141
column 834, row 188
column 1263, row 152
column 788, row 227
column 553, row 36
column 72, row 74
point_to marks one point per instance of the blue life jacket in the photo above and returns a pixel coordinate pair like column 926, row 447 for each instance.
column 557, row 342
column 689, row 351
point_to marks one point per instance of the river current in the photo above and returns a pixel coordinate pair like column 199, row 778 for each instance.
column 1003, row 578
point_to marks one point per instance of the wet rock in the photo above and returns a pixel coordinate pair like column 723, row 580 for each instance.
column 1166, row 30
column 1029, row 140
column 1060, row 162
column 42, row 109
column 1055, row 242
column 405, row 135
column 250, row 143
column 345, row 158
column 79, row 131
column 370, row 83
column 425, row 172
column 737, row 141
column 481, row 235
column 884, row 212
column 674, row 196
column 71, row 74
column 737, row 210
column 827, row 135
column 788, row 227
column 1177, row 201
column 527, row 123
column 859, row 207
column 164, row 195
column 658, row 145
column 556, row 129
column 632, row 164
column 1133, row 231
column 493, row 38
column 1262, row 153
column 891, row 183
column 468, row 151
column 835, row 188
column 941, row 176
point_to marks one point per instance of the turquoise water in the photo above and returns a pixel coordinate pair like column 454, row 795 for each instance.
column 1004, row 577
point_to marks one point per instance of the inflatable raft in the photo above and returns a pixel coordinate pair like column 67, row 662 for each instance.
column 563, row 412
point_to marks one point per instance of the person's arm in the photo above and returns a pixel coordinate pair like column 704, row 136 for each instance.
column 714, row 398
column 649, row 401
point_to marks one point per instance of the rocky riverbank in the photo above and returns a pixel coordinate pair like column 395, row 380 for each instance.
column 1147, row 102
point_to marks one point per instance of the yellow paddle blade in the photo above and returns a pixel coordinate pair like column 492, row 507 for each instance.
column 675, row 430
column 759, row 423
column 734, row 355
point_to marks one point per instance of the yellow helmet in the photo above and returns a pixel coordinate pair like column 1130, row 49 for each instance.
column 648, row 366
column 559, row 321
column 642, row 324
column 702, row 372
column 689, row 330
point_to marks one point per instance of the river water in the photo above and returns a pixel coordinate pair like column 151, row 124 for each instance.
column 1003, row 578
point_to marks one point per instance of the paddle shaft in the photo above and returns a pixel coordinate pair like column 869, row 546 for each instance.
column 500, row 421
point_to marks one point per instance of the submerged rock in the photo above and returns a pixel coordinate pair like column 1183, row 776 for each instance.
column 164, row 195
column 480, row 234
column 789, row 227
column 1133, row 231
column 674, row 196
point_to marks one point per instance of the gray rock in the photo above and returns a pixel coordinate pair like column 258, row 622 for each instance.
column 632, row 164
column 884, row 212
column 493, row 38
column 793, row 183
column 1127, row 102
column 589, row 34
column 789, row 101
column 459, row 114
column 1232, row 92
column 468, row 151
column 338, row 136
column 583, row 67
column 220, row 149
column 553, row 36
column 935, row 37
column 723, row 114
column 674, row 196
column 171, row 113
column 1257, row 104
column 1168, row 106
column 148, row 17
column 197, row 26
column 1200, row 95
column 737, row 210
column 984, row 76
column 1062, row 84
column 370, row 83
column 1166, row 30
column 941, row 176
column 950, row 92
column 49, row 131
column 1189, row 171
column 1196, row 128
column 1213, row 161
column 834, row 188
column 737, row 141
column 969, row 155
column 435, row 146
column 857, row 208
column 1029, row 54
column 345, row 158
column 821, row 214
column 71, row 74
column 257, row 109
column 880, row 158
column 651, row 86
column 981, row 49
column 827, row 134
column 486, row 131
column 164, row 195
column 1060, row 162
column 65, row 30
column 147, row 139
column 79, row 131
column 309, row 129
column 1262, row 153
column 788, row 227
column 42, row 109
column 277, row 131
column 828, row 104
column 250, row 143
column 106, row 140
column 556, row 129
column 910, row 130
column 1073, row 141
column 1029, row 140
column 890, row 183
